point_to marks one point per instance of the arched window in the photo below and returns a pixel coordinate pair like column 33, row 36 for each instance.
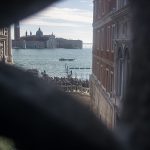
column 120, row 73
column 126, row 67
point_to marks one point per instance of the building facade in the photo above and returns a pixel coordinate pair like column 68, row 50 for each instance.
column 37, row 41
column 41, row 41
column 51, row 42
column 69, row 44
column 111, row 58
column 5, row 46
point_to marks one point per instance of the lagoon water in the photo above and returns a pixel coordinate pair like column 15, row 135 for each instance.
column 48, row 60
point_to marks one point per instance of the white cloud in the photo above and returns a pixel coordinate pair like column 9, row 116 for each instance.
column 65, row 14
column 86, row 36
column 84, row 1
column 91, row 5
column 36, row 21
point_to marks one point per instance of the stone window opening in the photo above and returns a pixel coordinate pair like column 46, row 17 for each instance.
column 133, row 119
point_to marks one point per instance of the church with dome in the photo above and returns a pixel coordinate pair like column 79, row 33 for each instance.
column 39, row 33
column 41, row 41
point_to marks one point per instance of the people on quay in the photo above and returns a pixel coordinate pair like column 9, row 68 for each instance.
column 67, row 83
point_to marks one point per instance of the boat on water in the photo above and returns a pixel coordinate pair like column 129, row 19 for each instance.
column 80, row 68
column 66, row 59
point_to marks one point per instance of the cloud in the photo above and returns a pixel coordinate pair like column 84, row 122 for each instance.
column 65, row 14
column 83, row 1
column 86, row 36
column 39, row 22
column 86, row 1
column 91, row 5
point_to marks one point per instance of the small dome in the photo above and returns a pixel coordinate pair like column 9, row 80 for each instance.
column 39, row 33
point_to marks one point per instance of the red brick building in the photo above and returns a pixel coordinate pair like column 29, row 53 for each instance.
column 111, row 51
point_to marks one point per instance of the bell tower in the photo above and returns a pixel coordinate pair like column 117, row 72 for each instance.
column 16, row 31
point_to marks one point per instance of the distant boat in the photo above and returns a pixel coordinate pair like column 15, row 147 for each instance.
column 64, row 59
column 80, row 68
column 16, row 48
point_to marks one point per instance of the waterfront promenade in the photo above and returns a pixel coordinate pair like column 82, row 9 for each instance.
column 69, row 84
column 75, row 87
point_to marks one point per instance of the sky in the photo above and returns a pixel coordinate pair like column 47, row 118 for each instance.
column 70, row 19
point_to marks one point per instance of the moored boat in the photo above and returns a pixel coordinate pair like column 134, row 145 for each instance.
column 65, row 59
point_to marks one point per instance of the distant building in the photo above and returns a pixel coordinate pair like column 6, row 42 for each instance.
column 40, row 41
column 111, row 57
column 64, row 43
column 5, row 46
column 51, row 42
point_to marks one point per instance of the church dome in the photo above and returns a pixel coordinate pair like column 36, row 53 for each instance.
column 39, row 33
